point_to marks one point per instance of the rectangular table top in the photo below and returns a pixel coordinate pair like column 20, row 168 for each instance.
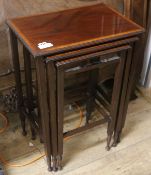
column 55, row 32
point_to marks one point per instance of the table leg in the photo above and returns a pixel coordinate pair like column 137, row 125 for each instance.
column 122, row 98
column 129, row 79
column 39, row 113
column 17, row 73
column 60, row 112
column 51, row 79
column 115, row 98
column 29, row 89
column 43, row 101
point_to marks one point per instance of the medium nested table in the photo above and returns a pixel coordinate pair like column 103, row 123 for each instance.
column 72, row 34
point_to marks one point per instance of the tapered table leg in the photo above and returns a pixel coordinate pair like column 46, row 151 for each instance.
column 43, row 102
column 128, row 80
column 29, row 89
column 17, row 73
column 115, row 97
column 117, row 131
column 39, row 113
column 51, row 79
column 60, row 112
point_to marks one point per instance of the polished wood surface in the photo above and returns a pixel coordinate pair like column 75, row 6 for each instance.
column 72, row 28
column 76, row 33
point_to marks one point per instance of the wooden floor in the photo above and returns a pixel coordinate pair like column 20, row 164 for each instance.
column 85, row 153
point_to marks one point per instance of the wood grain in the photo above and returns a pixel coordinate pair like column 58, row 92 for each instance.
column 68, row 29
column 13, row 8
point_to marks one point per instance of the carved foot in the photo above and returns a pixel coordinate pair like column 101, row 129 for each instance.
column 49, row 162
column 59, row 162
column 116, row 139
column 49, row 169
column 54, row 164
column 108, row 147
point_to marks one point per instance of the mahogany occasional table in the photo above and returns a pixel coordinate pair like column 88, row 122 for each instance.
column 52, row 37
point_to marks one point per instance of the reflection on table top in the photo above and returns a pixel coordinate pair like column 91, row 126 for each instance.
column 68, row 29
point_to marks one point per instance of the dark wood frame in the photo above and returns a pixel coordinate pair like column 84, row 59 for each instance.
column 62, row 71
column 45, row 68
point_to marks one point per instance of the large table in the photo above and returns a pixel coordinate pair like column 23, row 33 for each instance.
column 51, row 37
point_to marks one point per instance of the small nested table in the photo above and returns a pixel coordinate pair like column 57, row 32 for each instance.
column 90, row 63
column 56, row 40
